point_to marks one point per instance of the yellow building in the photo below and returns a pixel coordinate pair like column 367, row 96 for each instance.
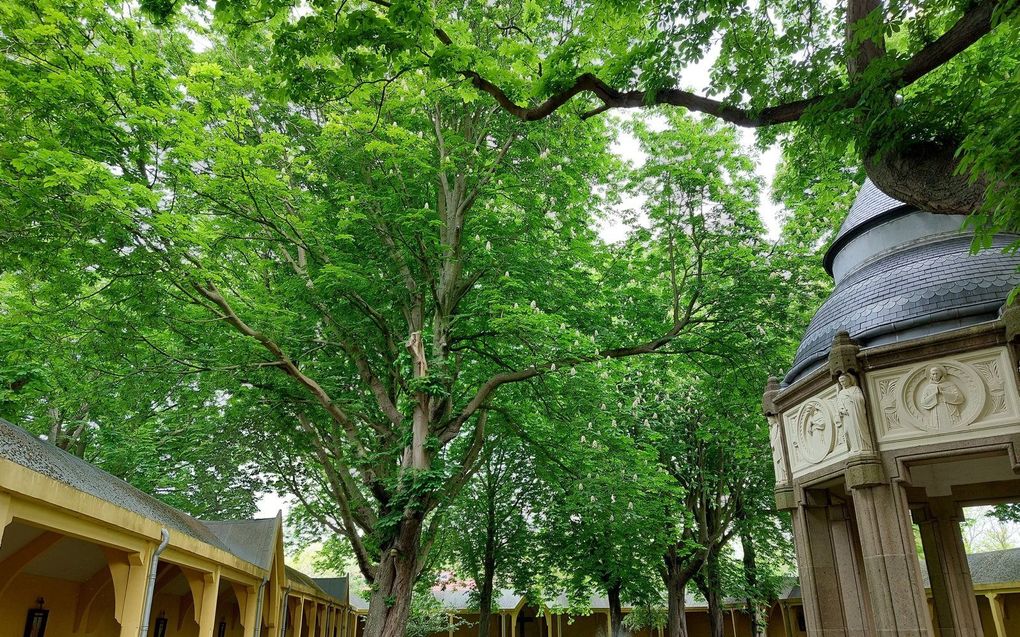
column 85, row 553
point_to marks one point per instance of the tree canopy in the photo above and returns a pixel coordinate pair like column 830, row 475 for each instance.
column 921, row 91
column 296, row 245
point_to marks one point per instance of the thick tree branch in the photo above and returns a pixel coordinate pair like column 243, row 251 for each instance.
column 973, row 25
column 211, row 293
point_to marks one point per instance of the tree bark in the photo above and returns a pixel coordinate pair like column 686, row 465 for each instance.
column 615, row 610
column 751, row 581
column 488, row 575
column 709, row 582
column 390, row 603
column 676, row 596
column 924, row 175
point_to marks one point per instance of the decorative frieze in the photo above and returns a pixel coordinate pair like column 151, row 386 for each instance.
column 946, row 398
column 814, row 432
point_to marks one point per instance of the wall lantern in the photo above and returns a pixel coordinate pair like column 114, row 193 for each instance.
column 35, row 623
column 160, row 628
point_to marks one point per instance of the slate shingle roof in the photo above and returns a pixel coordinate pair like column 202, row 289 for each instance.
column 21, row 447
column 921, row 284
column 297, row 576
column 253, row 541
column 870, row 207
column 335, row 586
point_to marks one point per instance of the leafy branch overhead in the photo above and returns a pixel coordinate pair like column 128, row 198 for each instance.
column 359, row 284
column 859, row 72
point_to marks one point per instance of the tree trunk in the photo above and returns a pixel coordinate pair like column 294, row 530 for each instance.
column 485, row 594
column 615, row 610
column 924, row 176
column 676, row 597
column 390, row 604
column 751, row 582
column 709, row 581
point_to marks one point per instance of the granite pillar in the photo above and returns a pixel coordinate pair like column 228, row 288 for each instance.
column 891, row 568
column 956, row 611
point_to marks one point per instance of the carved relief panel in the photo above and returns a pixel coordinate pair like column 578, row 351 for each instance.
column 814, row 434
column 948, row 398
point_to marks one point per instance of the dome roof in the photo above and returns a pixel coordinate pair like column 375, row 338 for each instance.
column 913, row 277
column 870, row 208
column 923, row 289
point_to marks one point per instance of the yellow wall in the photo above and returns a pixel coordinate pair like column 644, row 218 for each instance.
column 171, row 606
column 61, row 597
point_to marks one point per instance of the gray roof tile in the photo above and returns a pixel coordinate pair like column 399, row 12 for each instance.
column 21, row 447
column 941, row 280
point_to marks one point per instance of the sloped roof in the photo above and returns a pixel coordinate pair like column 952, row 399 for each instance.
column 927, row 286
column 297, row 576
column 991, row 567
column 870, row 207
column 21, row 447
column 335, row 586
column 253, row 541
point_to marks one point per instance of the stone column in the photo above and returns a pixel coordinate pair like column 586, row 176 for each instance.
column 833, row 597
column 850, row 570
column 956, row 611
column 891, row 568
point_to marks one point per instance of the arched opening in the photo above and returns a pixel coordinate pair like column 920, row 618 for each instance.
column 173, row 607
column 64, row 582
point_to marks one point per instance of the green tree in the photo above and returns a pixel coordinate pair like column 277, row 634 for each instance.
column 701, row 415
column 604, row 518
column 905, row 85
column 355, row 279
column 491, row 534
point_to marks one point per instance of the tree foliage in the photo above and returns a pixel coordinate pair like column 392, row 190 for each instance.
column 310, row 253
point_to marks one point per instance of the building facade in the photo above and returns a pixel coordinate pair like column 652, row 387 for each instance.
column 84, row 553
column 902, row 407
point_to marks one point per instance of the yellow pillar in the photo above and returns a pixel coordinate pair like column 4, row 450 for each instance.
column 513, row 624
column 785, row 611
column 995, row 601
column 299, row 619
column 131, row 571
column 314, row 608
column 5, row 513
column 559, row 625
column 247, row 601
column 207, row 611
